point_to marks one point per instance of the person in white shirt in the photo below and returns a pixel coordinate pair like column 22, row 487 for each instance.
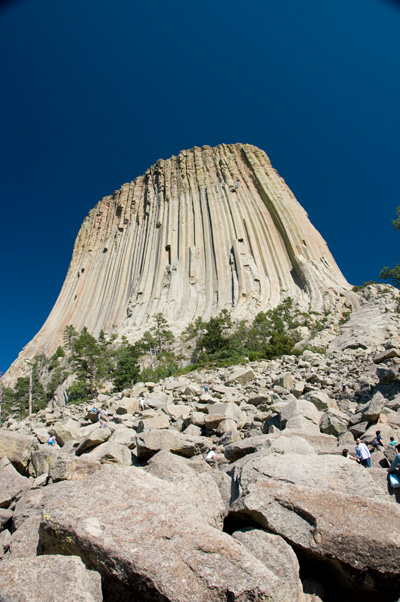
column 212, row 458
column 363, row 454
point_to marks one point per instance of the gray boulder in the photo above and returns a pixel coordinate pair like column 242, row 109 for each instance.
column 321, row 400
column 126, row 405
column 11, row 483
column 65, row 431
column 241, row 376
column 333, row 422
column 278, row 556
column 310, row 500
column 96, row 437
column 300, row 414
column 17, row 448
column 371, row 410
column 72, row 468
column 162, row 548
column 5, row 515
column 34, row 581
column 111, row 452
column 152, row 442
column 43, row 459
column 238, row 449
column 200, row 489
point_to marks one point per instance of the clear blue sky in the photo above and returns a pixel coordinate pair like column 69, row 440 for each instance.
column 93, row 92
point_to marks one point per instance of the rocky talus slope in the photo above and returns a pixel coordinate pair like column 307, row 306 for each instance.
column 207, row 230
column 131, row 511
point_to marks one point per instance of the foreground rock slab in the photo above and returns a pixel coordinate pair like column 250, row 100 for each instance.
column 148, row 543
column 33, row 581
column 326, row 507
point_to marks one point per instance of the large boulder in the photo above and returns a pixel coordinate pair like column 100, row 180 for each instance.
column 41, row 434
column 43, row 459
column 200, row 489
column 159, row 421
column 178, row 411
column 319, row 442
column 217, row 412
column 111, row 452
column 284, row 380
column 34, row 581
column 326, row 506
column 123, row 436
column 277, row 555
column 26, row 521
column 152, row 442
column 243, row 447
column 73, row 468
column 370, row 411
column 17, row 448
column 334, row 422
column 298, row 414
column 321, row 400
column 5, row 515
column 11, row 483
column 241, row 376
column 96, row 437
column 148, row 543
column 65, row 431
column 126, row 405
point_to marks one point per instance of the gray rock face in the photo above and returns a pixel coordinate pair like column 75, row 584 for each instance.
column 264, row 244
column 161, row 549
column 33, row 581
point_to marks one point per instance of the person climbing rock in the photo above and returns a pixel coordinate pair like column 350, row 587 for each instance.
column 378, row 441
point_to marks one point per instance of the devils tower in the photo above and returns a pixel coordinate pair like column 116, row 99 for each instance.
column 207, row 230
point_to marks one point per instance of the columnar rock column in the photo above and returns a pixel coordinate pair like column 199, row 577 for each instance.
column 210, row 229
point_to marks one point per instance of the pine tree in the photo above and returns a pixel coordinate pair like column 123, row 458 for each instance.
column 127, row 370
column 393, row 274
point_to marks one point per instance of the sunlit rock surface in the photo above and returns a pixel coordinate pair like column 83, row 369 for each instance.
column 210, row 229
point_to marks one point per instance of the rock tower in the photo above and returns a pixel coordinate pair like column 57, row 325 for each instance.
column 207, row 230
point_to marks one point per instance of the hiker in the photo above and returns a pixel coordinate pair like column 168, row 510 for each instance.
column 396, row 462
column 363, row 454
column 52, row 441
column 345, row 454
column 393, row 441
column 378, row 441
column 142, row 403
column 212, row 458
column 207, row 387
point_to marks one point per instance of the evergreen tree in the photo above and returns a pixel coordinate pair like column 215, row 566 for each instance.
column 92, row 366
column 160, row 332
column 393, row 274
column 127, row 370
column 70, row 335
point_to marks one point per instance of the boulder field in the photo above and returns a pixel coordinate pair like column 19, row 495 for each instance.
column 130, row 509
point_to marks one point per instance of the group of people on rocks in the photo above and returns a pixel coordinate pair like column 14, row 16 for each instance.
column 102, row 416
column 363, row 453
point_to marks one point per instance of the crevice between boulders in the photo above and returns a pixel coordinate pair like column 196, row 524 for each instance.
column 339, row 581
